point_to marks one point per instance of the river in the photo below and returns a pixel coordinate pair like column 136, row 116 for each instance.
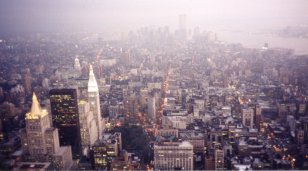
column 257, row 40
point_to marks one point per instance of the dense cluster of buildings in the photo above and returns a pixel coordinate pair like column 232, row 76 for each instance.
column 201, row 103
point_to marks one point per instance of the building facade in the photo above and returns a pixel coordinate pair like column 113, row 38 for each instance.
column 88, row 127
column 247, row 117
column 105, row 150
column 93, row 99
column 40, row 141
column 173, row 155
column 65, row 117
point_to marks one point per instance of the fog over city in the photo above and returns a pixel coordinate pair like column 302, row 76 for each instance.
column 113, row 17
column 153, row 85
column 100, row 15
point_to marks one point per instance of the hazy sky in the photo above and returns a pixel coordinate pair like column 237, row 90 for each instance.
column 116, row 15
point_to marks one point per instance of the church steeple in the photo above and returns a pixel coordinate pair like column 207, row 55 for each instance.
column 92, row 84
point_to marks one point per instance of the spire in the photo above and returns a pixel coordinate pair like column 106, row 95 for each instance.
column 92, row 84
column 91, row 69
column 36, row 111
column 36, row 107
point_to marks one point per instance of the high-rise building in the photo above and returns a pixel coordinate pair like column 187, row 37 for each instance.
column 105, row 150
column 131, row 107
column 65, row 117
column 88, row 127
column 143, row 97
column 40, row 141
column 173, row 155
column 247, row 117
column 219, row 159
column 93, row 99
column 258, row 116
column 152, row 108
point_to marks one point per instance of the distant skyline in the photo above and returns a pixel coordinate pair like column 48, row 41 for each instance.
column 124, row 15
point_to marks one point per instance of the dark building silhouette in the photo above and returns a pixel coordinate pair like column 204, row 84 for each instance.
column 65, row 117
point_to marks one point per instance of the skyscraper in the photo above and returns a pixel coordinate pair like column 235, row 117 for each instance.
column 152, row 108
column 88, row 128
column 37, row 123
column 93, row 99
column 105, row 150
column 65, row 117
column 40, row 141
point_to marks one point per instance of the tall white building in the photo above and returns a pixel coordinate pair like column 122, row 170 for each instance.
column 88, row 128
column 173, row 155
column 247, row 117
column 40, row 141
column 93, row 99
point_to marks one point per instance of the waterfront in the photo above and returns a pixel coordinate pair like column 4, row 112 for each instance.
column 257, row 40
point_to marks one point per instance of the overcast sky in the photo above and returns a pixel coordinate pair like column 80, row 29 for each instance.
column 119, row 15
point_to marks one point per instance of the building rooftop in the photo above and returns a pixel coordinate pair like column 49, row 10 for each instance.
column 36, row 110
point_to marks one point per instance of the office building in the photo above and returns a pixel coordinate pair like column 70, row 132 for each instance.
column 247, row 117
column 152, row 108
column 65, row 117
column 93, row 99
column 105, row 150
column 40, row 141
column 88, row 127
column 173, row 155
column 258, row 116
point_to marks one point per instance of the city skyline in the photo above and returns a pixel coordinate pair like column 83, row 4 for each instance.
column 95, row 14
column 153, row 85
